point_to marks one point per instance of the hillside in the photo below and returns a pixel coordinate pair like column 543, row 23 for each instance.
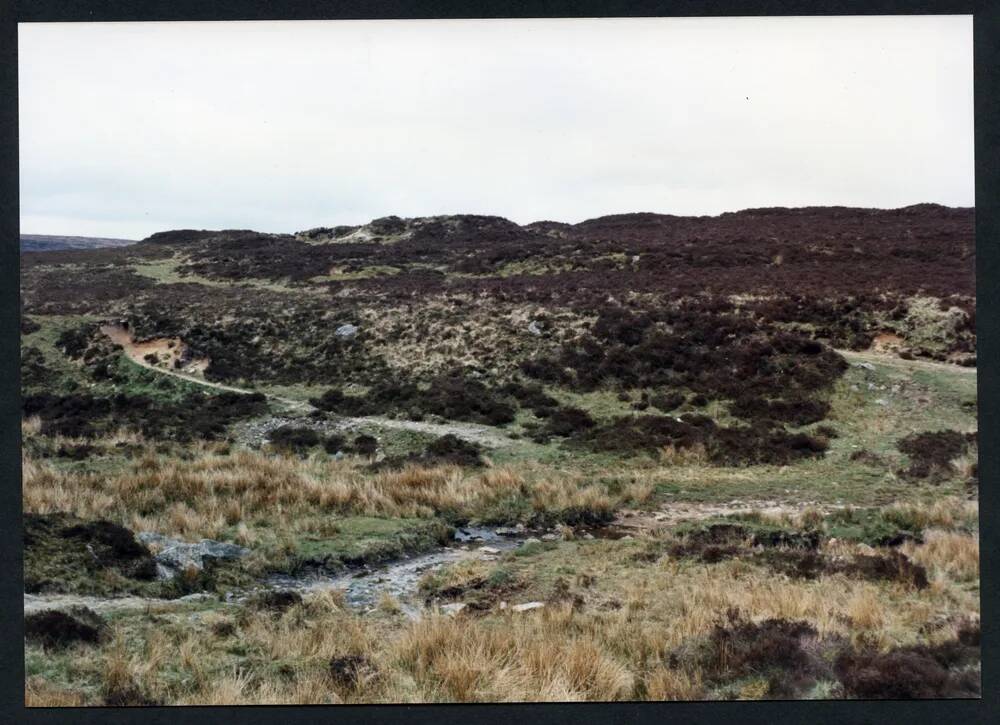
column 49, row 242
column 639, row 457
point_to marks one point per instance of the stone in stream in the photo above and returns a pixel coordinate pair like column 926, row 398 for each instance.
column 510, row 530
column 176, row 555
column 527, row 606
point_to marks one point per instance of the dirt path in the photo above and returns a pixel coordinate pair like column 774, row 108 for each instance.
column 136, row 352
column 40, row 602
column 895, row 361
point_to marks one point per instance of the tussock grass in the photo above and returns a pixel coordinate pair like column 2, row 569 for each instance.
column 210, row 493
column 564, row 652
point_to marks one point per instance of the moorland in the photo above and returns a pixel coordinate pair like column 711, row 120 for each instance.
column 460, row 459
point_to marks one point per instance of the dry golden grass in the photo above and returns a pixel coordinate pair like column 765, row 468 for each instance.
column 39, row 693
column 562, row 652
column 948, row 554
column 213, row 491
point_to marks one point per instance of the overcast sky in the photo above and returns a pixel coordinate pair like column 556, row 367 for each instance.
column 131, row 128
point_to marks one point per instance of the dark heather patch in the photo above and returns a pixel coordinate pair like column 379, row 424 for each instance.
column 931, row 453
column 55, row 629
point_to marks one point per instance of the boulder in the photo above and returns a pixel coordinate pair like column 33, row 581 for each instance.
column 346, row 332
column 176, row 555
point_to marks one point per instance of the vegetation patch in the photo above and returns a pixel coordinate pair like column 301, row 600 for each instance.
column 65, row 554
column 452, row 396
column 932, row 454
column 197, row 416
column 56, row 629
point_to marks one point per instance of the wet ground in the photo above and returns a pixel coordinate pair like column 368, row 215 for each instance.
column 401, row 578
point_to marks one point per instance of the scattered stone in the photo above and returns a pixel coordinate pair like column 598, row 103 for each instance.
column 881, row 401
column 534, row 329
column 527, row 606
column 453, row 609
column 864, row 365
column 550, row 537
column 588, row 535
column 489, row 550
column 531, row 540
column 346, row 331
column 509, row 530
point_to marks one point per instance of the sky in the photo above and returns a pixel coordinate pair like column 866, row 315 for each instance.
column 131, row 128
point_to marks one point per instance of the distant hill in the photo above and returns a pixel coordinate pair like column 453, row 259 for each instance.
column 49, row 242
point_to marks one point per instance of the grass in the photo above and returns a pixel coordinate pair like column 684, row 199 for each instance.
column 167, row 271
column 612, row 624
column 623, row 619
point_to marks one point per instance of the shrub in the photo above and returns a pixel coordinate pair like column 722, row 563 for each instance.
column 54, row 629
column 564, row 421
column 931, row 453
column 903, row 673
column 294, row 438
column 365, row 445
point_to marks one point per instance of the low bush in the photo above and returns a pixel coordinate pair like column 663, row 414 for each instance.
column 294, row 438
column 932, row 453
column 55, row 629
column 906, row 673
column 563, row 422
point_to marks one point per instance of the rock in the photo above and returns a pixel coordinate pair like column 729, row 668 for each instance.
column 196, row 597
column 488, row 550
column 881, row 401
column 864, row 365
column 534, row 329
column 453, row 609
column 509, row 530
column 527, row 606
column 346, row 332
column 627, row 537
column 588, row 535
column 177, row 555
column 531, row 540
column 550, row 537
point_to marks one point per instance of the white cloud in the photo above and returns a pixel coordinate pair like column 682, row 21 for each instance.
column 129, row 128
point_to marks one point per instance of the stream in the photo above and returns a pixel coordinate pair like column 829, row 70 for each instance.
column 401, row 578
column 362, row 587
